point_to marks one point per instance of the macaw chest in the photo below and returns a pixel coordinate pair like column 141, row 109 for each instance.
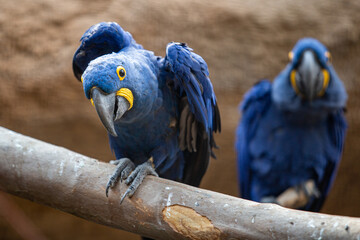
column 282, row 149
column 137, row 141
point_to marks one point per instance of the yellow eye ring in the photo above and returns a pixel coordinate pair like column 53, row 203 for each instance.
column 328, row 56
column 291, row 56
column 121, row 72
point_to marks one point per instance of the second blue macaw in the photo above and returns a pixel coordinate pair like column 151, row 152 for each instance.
column 292, row 132
column 160, row 113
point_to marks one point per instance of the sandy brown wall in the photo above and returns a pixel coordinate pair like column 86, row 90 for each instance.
column 242, row 41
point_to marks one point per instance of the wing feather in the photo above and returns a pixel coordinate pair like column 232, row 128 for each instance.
column 337, row 128
column 255, row 102
column 189, row 76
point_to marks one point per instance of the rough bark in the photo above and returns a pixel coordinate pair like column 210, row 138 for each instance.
column 160, row 209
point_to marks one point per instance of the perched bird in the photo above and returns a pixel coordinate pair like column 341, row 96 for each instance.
column 160, row 113
column 291, row 135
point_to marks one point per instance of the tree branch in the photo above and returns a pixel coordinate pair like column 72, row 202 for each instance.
column 160, row 209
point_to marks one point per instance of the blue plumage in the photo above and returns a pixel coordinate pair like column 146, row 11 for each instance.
column 158, row 93
column 292, row 132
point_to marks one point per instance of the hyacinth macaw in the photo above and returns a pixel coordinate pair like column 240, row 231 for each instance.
column 292, row 131
column 160, row 113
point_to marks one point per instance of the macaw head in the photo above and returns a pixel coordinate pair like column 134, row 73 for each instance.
column 118, row 76
column 309, row 76
column 121, row 86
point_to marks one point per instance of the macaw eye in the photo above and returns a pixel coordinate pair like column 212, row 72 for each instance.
column 121, row 72
column 291, row 56
column 328, row 57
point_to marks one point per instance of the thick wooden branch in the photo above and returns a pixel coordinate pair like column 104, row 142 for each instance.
column 160, row 209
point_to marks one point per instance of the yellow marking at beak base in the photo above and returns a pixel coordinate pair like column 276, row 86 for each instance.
column 127, row 94
column 91, row 100
column 293, row 82
column 325, row 82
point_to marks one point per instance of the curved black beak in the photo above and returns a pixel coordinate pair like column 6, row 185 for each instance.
column 109, row 107
column 309, row 76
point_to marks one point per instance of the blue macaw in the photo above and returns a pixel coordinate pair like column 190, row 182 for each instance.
column 160, row 113
column 292, row 132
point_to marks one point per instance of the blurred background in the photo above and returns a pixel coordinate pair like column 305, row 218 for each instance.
column 242, row 42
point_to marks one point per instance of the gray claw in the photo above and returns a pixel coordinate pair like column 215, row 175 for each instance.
column 128, row 191
column 136, row 178
column 115, row 162
column 123, row 169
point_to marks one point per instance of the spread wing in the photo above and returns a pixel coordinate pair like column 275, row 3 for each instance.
column 100, row 39
column 255, row 102
column 199, row 114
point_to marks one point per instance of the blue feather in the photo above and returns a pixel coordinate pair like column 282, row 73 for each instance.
column 100, row 39
column 284, row 140
column 150, row 128
column 192, row 76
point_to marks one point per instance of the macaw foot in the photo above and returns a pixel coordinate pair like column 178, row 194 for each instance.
column 137, row 176
column 309, row 188
column 269, row 199
column 298, row 196
column 124, row 166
